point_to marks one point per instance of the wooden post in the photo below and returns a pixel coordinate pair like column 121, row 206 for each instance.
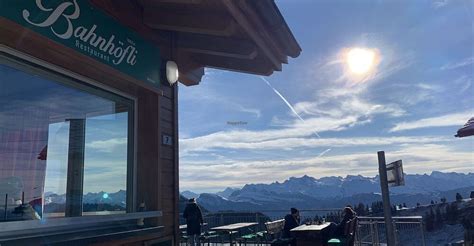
column 389, row 229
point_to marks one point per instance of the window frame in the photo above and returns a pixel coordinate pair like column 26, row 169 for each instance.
column 32, row 65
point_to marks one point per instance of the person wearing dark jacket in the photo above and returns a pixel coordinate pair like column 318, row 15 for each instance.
column 193, row 215
column 291, row 221
column 337, row 230
column 349, row 214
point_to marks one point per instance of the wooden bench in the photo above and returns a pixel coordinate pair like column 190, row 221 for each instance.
column 274, row 231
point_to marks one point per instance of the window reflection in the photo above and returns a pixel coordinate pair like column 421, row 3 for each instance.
column 63, row 147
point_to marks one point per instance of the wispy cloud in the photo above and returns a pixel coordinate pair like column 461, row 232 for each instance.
column 109, row 145
column 453, row 65
column 227, row 173
column 456, row 119
column 440, row 3
column 243, row 140
column 464, row 82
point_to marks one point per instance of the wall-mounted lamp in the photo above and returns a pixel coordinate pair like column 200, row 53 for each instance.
column 172, row 73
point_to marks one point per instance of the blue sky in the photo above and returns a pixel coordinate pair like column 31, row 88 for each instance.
column 234, row 129
column 29, row 121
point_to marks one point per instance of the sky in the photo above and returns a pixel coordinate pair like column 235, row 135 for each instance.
column 31, row 121
column 235, row 129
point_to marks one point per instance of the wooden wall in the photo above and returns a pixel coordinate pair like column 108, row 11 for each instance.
column 157, row 164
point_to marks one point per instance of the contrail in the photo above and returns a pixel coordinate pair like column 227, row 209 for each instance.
column 324, row 152
column 287, row 103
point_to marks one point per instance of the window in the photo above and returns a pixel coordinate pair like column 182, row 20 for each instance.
column 65, row 147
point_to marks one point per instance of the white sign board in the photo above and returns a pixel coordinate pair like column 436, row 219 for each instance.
column 395, row 175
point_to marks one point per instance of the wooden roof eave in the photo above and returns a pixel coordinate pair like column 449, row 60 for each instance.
column 236, row 35
column 277, row 25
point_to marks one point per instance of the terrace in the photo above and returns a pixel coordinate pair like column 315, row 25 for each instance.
column 369, row 231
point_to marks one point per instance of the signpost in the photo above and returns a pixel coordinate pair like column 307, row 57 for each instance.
column 395, row 174
column 389, row 174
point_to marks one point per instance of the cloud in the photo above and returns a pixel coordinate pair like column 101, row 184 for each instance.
column 350, row 103
column 228, row 173
column 254, row 111
column 456, row 119
column 109, row 145
column 453, row 65
column 464, row 82
column 440, row 3
column 338, row 106
column 244, row 140
column 207, row 95
column 287, row 103
column 411, row 94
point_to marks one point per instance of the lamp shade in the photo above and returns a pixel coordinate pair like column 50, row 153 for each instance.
column 172, row 73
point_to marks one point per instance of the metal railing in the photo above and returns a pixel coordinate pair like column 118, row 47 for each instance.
column 409, row 231
column 216, row 219
column 229, row 217
column 370, row 230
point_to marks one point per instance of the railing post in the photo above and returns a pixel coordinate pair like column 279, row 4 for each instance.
column 357, row 236
column 422, row 232
column 377, row 241
column 372, row 235
column 396, row 233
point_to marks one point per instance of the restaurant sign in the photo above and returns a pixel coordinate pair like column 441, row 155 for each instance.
column 80, row 26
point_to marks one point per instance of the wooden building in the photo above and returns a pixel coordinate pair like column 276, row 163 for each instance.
column 94, row 73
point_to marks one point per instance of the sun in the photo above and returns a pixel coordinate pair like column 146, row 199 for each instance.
column 360, row 60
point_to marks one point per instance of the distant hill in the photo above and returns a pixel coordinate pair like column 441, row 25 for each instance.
column 182, row 205
column 338, row 187
column 189, row 194
column 227, row 192
column 329, row 192
column 116, row 198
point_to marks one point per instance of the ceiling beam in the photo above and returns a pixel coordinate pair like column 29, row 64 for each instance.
column 251, row 30
column 192, row 22
column 277, row 26
column 258, row 23
column 219, row 46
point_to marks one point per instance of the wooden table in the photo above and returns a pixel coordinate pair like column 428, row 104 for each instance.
column 184, row 227
column 233, row 227
column 310, row 234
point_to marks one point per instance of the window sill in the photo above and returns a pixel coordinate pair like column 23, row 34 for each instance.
column 76, row 229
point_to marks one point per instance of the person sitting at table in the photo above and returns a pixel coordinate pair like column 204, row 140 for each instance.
column 337, row 230
column 292, row 220
column 193, row 215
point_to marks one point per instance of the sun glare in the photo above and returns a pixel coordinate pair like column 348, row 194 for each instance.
column 360, row 61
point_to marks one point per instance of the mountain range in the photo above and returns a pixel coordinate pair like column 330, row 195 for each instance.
column 331, row 192
column 117, row 198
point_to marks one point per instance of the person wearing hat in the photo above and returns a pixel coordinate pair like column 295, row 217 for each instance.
column 193, row 215
column 292, row 220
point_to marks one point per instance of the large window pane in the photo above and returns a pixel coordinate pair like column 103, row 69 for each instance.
column 64, row 146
